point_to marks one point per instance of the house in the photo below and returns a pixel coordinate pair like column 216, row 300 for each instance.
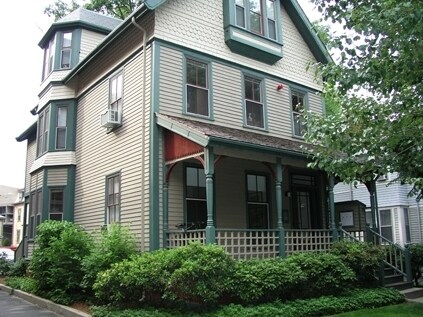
column 400, row 217
column 184, row 121
column 11, row 198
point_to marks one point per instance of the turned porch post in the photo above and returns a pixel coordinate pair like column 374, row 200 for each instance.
column 332, row 208
column 279, row 209
column 165, row 211
column 209, row 171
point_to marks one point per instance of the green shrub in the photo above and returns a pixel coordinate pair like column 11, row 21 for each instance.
column 199, row 273
column 25, row 284
column 111, row 246
column 5, row 264
column 364, row 258
column 5, row 242
column 416, row 252
column 322, row 274
column 194, row 273
column 55, row 264
column 131, row 282
column 19, row 268
column 264, row 280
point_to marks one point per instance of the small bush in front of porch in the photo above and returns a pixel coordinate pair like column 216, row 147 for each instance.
column 322, row 274
column 259, row 281
column 195, row 273
column 364, row 258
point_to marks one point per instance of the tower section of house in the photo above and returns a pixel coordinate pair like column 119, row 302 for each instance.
column 184, row 122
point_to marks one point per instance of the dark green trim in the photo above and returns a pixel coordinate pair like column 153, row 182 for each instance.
column 45, row 202
column 76, row 47
column 69, row 212
column 209, row 171
column 252, row 46
column 331, row 201
column 279, row 206
column 29, row 134
column 70, row 124
column 153, row 4
column 233, row 63
column 305, row 28
column 154, row 150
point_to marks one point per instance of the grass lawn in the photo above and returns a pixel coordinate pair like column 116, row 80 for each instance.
column 402, row 310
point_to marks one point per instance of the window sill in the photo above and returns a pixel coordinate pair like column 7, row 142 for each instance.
column 198, row 116
column 251, row 45
column 252, row 127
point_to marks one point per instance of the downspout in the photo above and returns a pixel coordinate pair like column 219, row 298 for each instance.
column 144, row 76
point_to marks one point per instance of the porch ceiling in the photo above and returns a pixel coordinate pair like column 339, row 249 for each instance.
column 207, row 134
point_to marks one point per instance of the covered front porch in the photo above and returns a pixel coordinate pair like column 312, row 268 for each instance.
column 248, row 192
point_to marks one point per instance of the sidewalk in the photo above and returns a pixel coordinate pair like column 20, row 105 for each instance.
column 53, row 309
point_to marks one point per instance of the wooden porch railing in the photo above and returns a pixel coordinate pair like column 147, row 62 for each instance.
column 247, row 244
column 397, row 257
column 355, row 236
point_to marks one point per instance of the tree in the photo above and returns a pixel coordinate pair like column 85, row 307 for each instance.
column 115, row 8
column 377, row 83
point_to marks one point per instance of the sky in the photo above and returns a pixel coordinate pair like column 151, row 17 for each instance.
column 21, row 29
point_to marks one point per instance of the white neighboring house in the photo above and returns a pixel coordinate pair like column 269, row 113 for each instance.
column 400, row 216
column 18, row 219
column 8, row 197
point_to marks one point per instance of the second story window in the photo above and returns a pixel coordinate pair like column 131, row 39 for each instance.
column 61, row 127
column 254, row 108
column 43, row 129
column 197, row 88
column 35, row 206
column 66, row 50
column 271, row 19
column 48, row 58
column 256, row 16
column 116, row 96
column 298, row 108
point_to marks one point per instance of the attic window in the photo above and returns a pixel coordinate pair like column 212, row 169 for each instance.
column 252, row 28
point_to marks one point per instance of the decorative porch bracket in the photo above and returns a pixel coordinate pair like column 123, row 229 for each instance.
column 209, row 171
column 279, row 208
column 332, row 208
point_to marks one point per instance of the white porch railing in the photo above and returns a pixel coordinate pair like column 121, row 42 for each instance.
column 353, row 235
column 247, row 244
column 307, row 240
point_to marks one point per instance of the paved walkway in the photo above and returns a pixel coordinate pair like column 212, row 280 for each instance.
column 12, row 306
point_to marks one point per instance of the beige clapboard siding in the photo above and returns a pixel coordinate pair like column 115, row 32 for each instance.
column 315, row 102
column 171, row 86
column 228, row 105
column 31, row 152
column 176, row 196
column 89, row 41
column 227, row 95
column 57, row 177
column 278, row 109
column 199, row 26
column 101, row 153
column 37, row 180
column 55, row 93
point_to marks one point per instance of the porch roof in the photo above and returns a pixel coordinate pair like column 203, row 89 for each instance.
column 207, row 134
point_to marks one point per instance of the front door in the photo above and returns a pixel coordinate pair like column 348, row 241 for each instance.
column 304, row 201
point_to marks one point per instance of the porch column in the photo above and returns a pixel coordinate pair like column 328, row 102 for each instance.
column 165, row 212
column 279, row 209
column 209, row 171
column 332, row 208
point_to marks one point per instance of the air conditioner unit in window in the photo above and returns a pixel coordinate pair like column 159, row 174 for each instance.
column 111, row 119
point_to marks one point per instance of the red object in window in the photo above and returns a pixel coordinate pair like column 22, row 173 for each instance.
column 279, row 87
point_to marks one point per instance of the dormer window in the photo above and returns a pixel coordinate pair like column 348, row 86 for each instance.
column 252, row 28
column 66, row 50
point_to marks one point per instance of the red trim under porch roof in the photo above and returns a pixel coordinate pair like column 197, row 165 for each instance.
column 177, row 147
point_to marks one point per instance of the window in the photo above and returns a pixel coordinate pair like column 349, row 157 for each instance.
column 386, row 224
column 56, row 204
column 48, row 58
column 407, row 226
column 257, row 202
column 19, row 214
column 65, row 54
column 43, row 128
column 35, row 206
column 195, row 197
column 116, row 97
column 254, row 109
column 197, row 88
column 271, row 19
column 298, row 107
column 240, row 13
column 113, row 199
column 61, row 129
